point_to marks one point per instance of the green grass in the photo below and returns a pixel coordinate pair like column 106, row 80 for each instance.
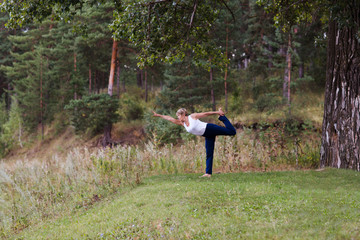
column 274, row 205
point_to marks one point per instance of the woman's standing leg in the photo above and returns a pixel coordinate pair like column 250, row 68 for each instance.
column 213, row 130
column 209, row 145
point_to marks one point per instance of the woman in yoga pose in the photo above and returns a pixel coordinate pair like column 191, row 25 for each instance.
column 193, row 125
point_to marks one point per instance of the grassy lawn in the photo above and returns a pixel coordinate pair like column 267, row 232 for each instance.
column 274, row 205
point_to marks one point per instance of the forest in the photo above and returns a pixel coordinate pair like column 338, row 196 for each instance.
column 79, row 80
column 52, row 69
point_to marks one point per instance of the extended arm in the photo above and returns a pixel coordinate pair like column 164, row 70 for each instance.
column 169, row 118
column 205, row 114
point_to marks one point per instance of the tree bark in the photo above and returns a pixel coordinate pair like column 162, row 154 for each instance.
column 75, row 91
column 301, row 70
column 106, row 141
column 146, row 87
column 89, row 78
column 139, row 77
column 41, row 99
column 287, row 73
column 270, row 63
column 112, row 67
column 123, row 85
column 340, row 143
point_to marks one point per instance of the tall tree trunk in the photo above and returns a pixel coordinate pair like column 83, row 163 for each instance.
column 212, row 90
column 107, row 129
column 152, row 83
column 340, row 143
column 89, row 78
column 41, row 99
column 146, row 87
column 95, row 84
column 123, row 85
column 287, row 73
column 301, row 70
column 112, row 67
column 8, row 97
column 226, row 67
column 75, row 91
column 139, row 77
column 118, row 79
column 270, row 56
column 106, row 141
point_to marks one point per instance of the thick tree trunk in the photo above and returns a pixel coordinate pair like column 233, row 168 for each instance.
column 112, row 67
column 106, row 141
column 340, row 144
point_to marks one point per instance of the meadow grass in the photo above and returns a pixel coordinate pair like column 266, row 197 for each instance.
column 33, row 191
column 274, row 205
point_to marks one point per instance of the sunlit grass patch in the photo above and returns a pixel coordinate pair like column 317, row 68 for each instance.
column 281, row 205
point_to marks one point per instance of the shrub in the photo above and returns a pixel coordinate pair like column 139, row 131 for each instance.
column 162, row 131
column 11, row 131
column 267, row 101
column 93, row 112
column 131, row 108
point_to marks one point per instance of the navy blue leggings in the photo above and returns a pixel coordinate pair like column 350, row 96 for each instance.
column 211, row 131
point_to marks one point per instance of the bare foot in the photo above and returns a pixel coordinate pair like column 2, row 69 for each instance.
column 221, row 112
column 206, row 175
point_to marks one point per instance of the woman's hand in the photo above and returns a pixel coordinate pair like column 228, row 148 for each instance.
column 156, row 114
column 221, row 112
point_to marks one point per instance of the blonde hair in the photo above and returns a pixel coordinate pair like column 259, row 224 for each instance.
column 181, row 111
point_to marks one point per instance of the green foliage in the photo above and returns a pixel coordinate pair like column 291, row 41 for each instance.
column 267, row 101
column 167, row 30
column 3, row 112
column 185, row 86
column 6, row 57
column 93, row 112
column 11, row 131
column 162, row 131
column 290, row 13
column 131, row 107
column 237, row 101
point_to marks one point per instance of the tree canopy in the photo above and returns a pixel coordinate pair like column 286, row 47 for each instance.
column 149, row 25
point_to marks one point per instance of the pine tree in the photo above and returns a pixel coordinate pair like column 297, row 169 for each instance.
column 12, row 130
column 25, row 76
column 185, row 86
column 6, row 58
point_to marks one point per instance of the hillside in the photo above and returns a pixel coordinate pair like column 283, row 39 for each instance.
column 67, row 173
column 277, row 205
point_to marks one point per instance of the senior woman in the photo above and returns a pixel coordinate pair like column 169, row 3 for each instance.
column 193, row 125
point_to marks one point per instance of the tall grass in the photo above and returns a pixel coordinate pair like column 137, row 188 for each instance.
column 34, row 190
